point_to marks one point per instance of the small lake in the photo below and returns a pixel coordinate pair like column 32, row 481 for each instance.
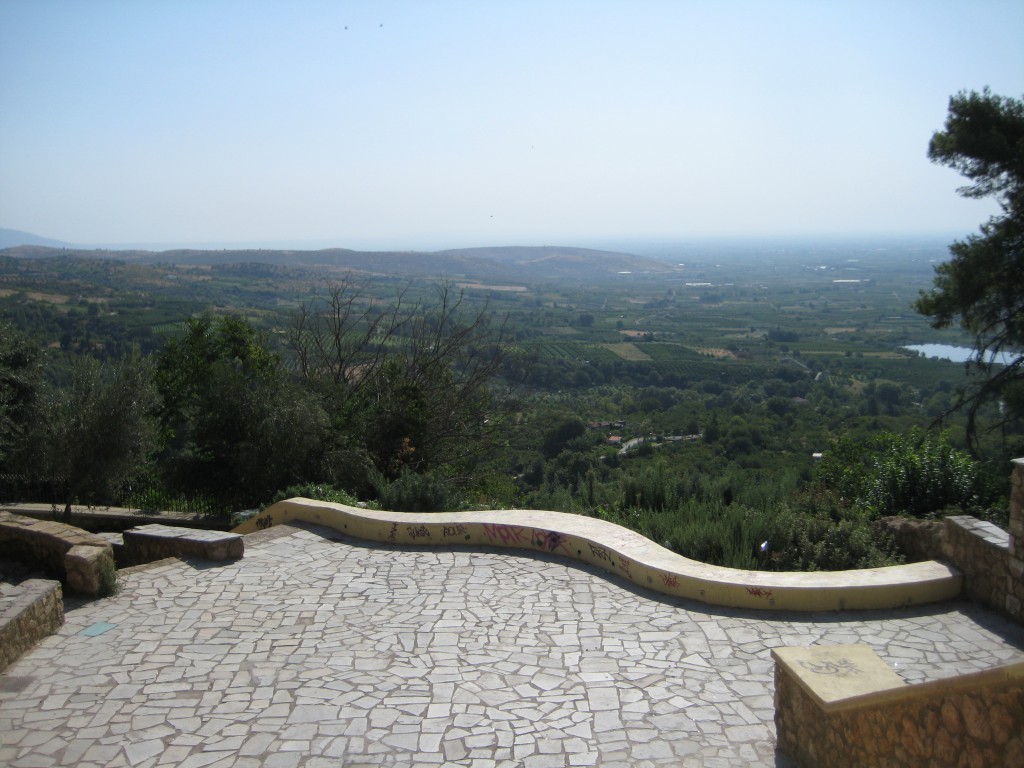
column 954, row 353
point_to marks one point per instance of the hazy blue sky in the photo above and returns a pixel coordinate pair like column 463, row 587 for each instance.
column 456, row 123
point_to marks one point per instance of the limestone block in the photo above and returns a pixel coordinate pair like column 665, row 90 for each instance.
column 87, row 568
column 839, row 706
column 147, row 543
column 30, row 611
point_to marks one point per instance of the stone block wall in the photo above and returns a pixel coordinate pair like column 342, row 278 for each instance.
column 981, row 551
column 1015, row 563
column 991, row 560
column 29, row 612
column 147, row 543
column 82, row 560
column 929, row 724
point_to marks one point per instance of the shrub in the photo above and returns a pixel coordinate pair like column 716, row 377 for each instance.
column 916, row 475
column 412, row 492
column 109, row 584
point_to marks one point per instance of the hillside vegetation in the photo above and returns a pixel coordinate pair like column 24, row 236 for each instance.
column 685, row 398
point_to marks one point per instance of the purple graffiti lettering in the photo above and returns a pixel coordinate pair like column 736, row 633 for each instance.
column 550, row 540
column 506, row 534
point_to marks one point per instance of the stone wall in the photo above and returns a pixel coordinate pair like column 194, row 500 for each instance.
column 978, row 723
column 29, row 612
column 1015, row 564
column 991, row 560
column 82, row 560
column 147, row 543
column 981, row 551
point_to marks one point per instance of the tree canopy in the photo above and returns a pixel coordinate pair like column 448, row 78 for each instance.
column 981, row 287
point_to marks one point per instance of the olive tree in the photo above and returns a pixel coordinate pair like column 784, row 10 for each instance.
column 91, row 438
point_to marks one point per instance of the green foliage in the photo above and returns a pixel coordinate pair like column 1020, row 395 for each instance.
column 93, row 438
column 916, row 475
column 981, row 286
column 148, row 493
column 378, row 386
column 762, row 522
column 812, row 532
column 417, row 492
column 317, row 491
column 559, row 436
column 236, row 426
column 19, row 382
column 109, row 585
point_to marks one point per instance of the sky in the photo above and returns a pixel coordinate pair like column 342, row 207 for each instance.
column 444, row 123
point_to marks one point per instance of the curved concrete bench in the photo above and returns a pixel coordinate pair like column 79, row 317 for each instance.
column 629, row 555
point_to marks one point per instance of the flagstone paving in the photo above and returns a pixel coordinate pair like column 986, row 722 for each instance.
column 317, row 651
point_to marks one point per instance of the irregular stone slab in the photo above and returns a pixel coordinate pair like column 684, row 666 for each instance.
column 213, row 663
column 629, row 555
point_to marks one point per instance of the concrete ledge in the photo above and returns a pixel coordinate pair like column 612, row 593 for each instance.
column 629, row 555
column 839, row 676
column 155, row 542
column 842, row 706
column 29, row 612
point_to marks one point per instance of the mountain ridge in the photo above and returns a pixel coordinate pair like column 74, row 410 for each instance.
column 504, row 263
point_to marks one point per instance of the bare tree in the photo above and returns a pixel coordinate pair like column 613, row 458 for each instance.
column 413, row 379
column 339, row 336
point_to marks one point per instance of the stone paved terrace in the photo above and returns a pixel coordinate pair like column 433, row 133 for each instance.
column 313, row 650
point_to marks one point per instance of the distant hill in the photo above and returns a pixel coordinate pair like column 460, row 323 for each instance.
column 506, row 264
column 10, row 238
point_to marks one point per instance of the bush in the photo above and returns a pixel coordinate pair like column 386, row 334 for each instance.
column 411, row 492
column 109, row 585
column 891, row 474
column 316, row 491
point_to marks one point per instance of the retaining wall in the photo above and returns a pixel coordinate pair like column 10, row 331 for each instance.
column 82, row 560
column 29, row 612
column 835, row 707
column 990, row 559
